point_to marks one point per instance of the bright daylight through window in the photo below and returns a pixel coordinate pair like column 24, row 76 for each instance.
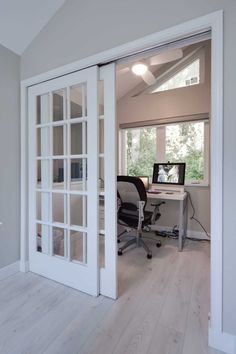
column 183, row 142
column 140, row 148
column 189, row 75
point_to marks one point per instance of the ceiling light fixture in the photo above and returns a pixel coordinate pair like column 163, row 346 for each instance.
column 139, row 69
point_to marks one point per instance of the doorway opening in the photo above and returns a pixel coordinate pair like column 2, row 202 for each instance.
column 164, row 117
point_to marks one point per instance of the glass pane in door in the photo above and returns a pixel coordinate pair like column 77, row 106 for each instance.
column 58, row 235
column 42, row 109
column 58, row 208
column 78, row 101
column 101, row 174
column 43, row 177
column 78, row 210
column 101, row 136
column 42, row 238
column 78, row 174
column 78, row 246
column 101, row 98
column 58, row 140
column 59, row 173
column 43, row 142
column 58, row 105
column 78, row 139
column 43, row 206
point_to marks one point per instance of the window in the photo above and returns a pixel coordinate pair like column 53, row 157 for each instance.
column 185, row 143
column 139, row 151
column 190, row 75
column 188, row 71
column 182, row 142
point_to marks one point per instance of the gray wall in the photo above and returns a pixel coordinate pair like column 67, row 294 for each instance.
column 9, row 156
column 83, row 28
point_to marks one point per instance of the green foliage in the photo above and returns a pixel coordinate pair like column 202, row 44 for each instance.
column 184, row 143
column 141, row 151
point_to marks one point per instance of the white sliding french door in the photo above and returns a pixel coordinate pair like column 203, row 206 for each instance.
column 72, row 180
column 107, row 174
column 63, row 180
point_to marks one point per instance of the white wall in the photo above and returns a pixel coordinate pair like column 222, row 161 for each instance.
column 83, row 28
column 9, row 157
column 201, row 201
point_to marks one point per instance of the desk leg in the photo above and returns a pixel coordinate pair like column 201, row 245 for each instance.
column 183, row 222
column 185, row 217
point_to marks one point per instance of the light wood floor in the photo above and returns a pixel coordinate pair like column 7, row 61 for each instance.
column 162, row 309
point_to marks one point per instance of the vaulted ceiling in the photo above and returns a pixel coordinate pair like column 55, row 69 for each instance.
column 127, row 82
column 22, row 20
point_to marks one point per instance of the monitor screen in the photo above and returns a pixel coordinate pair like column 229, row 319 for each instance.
column 169, row 173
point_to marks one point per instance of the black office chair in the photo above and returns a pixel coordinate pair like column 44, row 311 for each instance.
column 132, row 211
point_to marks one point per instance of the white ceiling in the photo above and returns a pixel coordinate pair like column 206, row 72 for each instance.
column 22, row 20
column 127, row 81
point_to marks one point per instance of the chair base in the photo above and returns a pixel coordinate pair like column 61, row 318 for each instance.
column 123, row 233
column 139, row 242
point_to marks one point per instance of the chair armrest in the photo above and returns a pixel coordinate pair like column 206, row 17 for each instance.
column 141, row 205
column 156, row 213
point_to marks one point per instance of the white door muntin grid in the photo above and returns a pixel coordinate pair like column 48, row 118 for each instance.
column 68, row 140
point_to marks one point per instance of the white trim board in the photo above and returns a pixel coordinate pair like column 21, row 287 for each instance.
column 9, row 270
column 213, row 22
column 222, row 341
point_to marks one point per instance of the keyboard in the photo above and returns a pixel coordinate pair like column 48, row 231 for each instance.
column 154, row 192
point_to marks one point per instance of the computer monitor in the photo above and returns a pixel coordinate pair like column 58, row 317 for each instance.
column 169, row 173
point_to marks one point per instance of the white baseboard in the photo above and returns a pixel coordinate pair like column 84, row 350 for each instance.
column 197, row 234
column 24, row 266
column 190, row 233
column 9, row 270
column 222, row 341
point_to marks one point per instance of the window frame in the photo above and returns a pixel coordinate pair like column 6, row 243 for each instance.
column 161, row 149
column 177, row 68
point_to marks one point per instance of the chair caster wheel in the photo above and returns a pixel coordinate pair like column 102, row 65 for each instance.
column 149, row 256
column 158, row 244
column 120, row 252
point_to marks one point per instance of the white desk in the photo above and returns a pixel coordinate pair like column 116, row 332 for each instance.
column 182, row 198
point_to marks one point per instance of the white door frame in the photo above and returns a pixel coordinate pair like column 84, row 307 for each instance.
column 213, row 22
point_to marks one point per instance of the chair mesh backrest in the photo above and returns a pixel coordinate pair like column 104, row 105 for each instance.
column 131, row 189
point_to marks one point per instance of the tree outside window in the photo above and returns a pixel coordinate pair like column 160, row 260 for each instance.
column 185, row 143
column 140, row 151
